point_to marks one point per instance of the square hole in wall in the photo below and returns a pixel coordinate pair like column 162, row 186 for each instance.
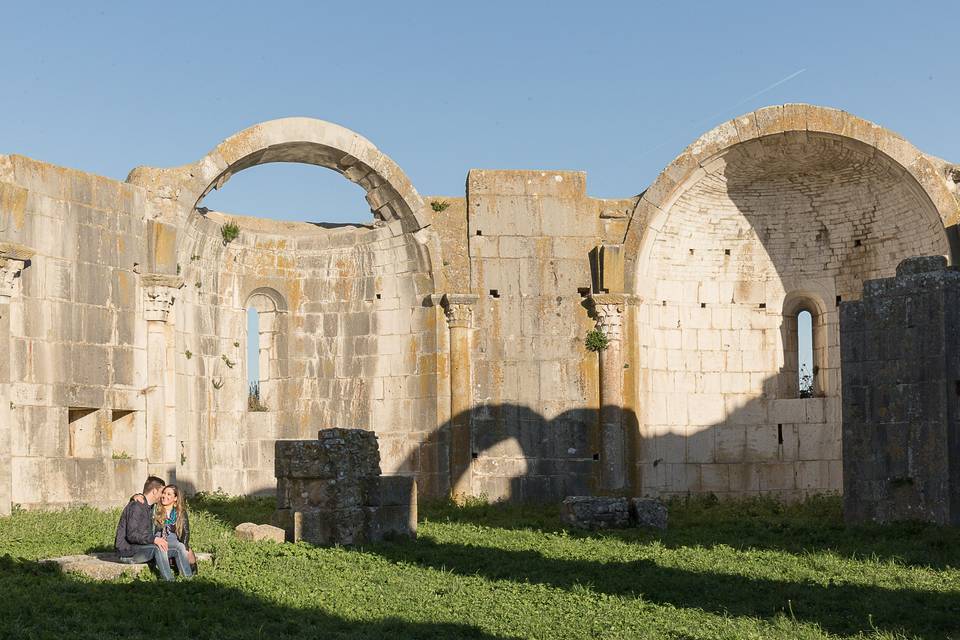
column 583, row 291
column 494, row 293
column 82, row 432
column 703, row 305
column 123, row 432
column 479, row 233
column 763, row 305
column 726, row 252
column 858, row 243
column 839, row 300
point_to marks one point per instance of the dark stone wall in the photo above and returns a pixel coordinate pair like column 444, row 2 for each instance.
column 330, row 491
column 900, row 350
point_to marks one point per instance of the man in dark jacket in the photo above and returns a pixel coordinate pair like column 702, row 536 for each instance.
column 135, row 539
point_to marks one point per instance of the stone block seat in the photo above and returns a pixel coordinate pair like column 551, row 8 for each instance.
column 104, row 565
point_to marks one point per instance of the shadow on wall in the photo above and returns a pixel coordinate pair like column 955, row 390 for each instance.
column 783, row 447
column 42, row 602
column 510, row 452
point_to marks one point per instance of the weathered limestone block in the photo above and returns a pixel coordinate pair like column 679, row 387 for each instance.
column 648, row 513
column 589, row 512
column 257, row 532
column 104, row 565
column 330, row 491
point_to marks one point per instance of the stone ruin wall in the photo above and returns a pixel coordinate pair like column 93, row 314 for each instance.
column 455, row 335
column 348, row 342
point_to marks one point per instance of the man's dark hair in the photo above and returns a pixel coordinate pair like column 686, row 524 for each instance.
column 153, row 482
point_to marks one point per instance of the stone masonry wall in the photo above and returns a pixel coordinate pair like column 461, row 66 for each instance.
column 352, row 345
column 453, row 327
column 76, row 349
column 534, row 421
column 901, row 367
column 764, row 231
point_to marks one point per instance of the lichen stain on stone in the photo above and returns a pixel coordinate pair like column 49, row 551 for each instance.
column 13, row 204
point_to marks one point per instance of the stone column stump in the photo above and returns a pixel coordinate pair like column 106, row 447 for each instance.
column 330, row 491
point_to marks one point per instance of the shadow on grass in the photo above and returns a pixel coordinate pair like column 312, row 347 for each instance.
column 837, row 608
column 41, row 602
column 754, row 523
column 234, row 510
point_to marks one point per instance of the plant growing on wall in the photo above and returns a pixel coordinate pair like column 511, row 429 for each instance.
column 230, row 231
column 254, row 403
column 217, row 383
column 596, row 340
column 806, row 382
column 188, row 353
column 121, row 455
column 439, row 205
column 227, row 361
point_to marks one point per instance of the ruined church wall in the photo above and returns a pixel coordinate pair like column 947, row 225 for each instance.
column 535, row 415
column 77, row 351
column 352, row 345
column 769, row 228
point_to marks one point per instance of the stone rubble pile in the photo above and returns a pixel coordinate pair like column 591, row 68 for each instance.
column 597, row 512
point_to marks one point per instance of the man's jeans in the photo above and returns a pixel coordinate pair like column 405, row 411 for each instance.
column 143, row 553
column 177, row 551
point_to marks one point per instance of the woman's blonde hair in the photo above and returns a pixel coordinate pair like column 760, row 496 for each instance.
column 160, row 516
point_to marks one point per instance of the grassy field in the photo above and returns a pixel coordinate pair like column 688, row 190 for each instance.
column 750, row 569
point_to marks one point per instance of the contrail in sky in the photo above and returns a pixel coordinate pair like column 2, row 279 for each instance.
column 714, row 116
column 754, row 95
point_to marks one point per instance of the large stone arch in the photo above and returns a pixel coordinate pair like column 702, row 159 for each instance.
column 390, row 193
column 788, row 203
column 924, row 174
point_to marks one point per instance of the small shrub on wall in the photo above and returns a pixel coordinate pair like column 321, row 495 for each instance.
column 230, row 231
column 597, row 340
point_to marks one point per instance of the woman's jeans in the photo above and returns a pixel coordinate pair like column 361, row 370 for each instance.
column 177, row 551
column 145, row 553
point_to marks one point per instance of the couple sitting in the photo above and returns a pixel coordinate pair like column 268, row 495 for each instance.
column 158, row 532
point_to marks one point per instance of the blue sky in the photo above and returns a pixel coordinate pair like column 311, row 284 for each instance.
column 615, row 89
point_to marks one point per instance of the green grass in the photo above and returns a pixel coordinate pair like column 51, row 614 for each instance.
column 750, row 569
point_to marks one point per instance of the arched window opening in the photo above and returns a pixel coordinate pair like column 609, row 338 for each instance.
column 292, row 192
column 806, row 369
column 804, row 332
column 254, row 398
column 265, row 364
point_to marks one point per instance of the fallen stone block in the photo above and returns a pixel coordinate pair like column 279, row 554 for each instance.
column 592, row 512
column 646, row 512
column 257, row 532
column 104, row 565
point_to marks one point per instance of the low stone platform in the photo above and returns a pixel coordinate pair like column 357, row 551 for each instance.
column 104, row 565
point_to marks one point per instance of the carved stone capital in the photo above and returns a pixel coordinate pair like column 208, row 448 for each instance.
column 159, row 294
column 13, row 260
column 458, row 307
column 608, row 312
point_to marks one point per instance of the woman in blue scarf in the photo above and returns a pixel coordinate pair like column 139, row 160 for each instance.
column 171, row 522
